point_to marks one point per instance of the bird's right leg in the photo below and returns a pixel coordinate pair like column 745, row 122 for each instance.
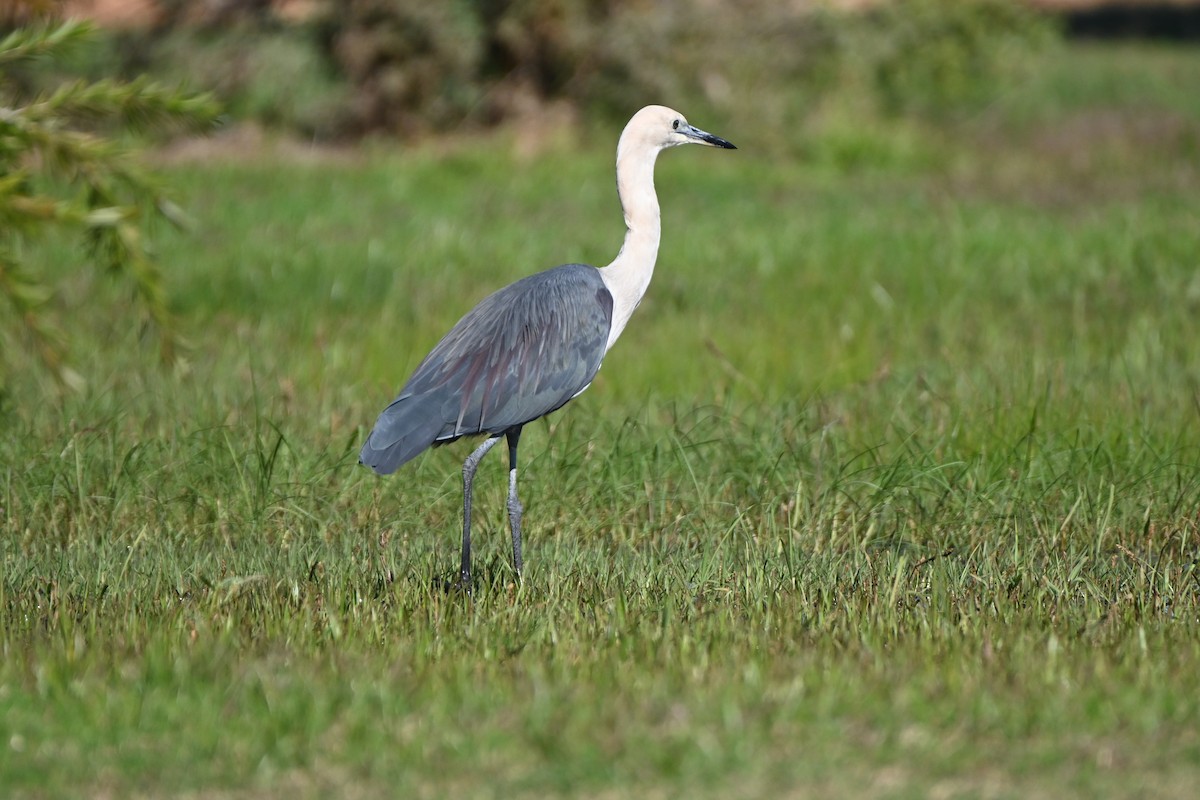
column 514, row 503
column 469, row 467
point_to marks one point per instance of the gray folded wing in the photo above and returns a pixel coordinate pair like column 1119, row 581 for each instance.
column 520, row 354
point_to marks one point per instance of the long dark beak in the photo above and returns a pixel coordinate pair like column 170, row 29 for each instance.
column 703, row 137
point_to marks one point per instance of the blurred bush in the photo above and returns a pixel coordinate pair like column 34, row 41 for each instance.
column 267, row 74
column 935, row 56
column 411, row 66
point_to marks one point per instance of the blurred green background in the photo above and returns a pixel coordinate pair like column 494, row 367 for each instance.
column 331, row 70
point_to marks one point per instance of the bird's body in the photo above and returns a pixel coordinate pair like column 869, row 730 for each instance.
column 547, row 336
column 526, row 350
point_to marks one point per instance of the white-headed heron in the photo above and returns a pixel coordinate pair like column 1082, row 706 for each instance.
column 526, row 350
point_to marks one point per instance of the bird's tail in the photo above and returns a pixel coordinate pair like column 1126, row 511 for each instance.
column 405, row 429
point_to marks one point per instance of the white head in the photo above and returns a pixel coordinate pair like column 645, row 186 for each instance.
column 651, row 130
column 656, row 128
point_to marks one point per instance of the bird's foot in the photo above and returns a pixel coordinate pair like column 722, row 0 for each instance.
column 463, row 585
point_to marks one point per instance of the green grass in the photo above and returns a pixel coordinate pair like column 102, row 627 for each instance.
column 890, row 489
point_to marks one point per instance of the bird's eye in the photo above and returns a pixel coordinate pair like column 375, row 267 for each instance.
column 675, row 125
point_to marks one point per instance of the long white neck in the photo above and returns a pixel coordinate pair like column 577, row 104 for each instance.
column 628, row 276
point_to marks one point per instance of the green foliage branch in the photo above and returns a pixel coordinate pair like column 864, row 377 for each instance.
column 61, row 167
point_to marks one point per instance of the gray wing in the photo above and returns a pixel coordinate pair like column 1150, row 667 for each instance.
column 520, row 354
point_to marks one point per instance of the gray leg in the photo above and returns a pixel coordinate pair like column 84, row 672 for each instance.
column 469, row 467
column 514, row 504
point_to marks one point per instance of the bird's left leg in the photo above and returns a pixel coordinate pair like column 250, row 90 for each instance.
column 514, row 504
column 469, row 467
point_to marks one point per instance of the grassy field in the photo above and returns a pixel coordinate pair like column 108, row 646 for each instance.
column 890, row 489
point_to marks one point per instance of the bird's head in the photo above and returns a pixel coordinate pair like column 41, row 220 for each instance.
column 656, row 128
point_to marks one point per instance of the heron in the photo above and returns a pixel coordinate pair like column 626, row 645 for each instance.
column 529, row 348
